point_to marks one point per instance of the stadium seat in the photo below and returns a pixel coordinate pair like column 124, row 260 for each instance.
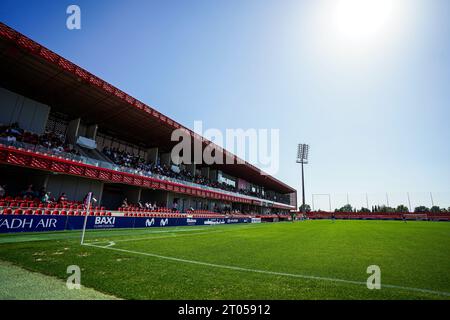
column 18, row 212
column 28, row 212
column 38, row 212
column 55, row 213
column 63, row 213
column 7, row 211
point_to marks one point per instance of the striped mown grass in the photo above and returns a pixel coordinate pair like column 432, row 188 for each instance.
column 302, row 260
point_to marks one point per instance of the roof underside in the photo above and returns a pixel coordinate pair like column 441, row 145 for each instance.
column 35, row 72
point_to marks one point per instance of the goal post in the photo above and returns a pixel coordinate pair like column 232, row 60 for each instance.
column 321, row 195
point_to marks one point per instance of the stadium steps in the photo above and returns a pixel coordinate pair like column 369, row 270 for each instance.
column 93, row 154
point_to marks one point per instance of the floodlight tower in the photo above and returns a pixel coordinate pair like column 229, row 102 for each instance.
column 302, row 157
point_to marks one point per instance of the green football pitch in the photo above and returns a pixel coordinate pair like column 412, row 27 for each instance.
column 301, row 260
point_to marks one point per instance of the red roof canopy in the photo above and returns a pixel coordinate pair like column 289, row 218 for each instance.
column 36, row 72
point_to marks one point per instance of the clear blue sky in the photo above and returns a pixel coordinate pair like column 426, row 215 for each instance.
column 373, row 105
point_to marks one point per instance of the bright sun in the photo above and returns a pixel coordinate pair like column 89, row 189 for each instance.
column 362, row 20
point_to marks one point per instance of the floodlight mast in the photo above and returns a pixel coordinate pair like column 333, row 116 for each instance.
column 302, row 158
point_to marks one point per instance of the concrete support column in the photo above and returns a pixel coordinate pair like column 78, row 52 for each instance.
column 72, row 130
column 152, row 155
column 165, row 159
column 91, row 131
column 205, row 172
column 100, row 193
column 213, row 175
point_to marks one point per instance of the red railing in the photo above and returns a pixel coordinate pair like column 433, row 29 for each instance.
column 35, row 160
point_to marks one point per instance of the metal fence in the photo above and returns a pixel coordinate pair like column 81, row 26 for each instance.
column 332, row 201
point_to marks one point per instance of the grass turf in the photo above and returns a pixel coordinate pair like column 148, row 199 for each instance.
column 232, row 261
column 19, row 284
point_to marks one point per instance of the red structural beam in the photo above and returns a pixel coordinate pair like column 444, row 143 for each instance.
column 40, row 161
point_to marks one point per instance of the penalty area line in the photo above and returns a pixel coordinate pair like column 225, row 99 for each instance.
column 292, row 275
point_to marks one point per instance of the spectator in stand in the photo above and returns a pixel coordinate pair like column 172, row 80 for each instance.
column 58, row 149
column 175, row 206
column 46, row 197
column 10, row 138
column 14, row 130
column 125, row 203
column 41, row 192
column 62, row 198
column 29, row 192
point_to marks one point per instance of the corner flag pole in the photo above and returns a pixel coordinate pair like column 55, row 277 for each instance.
column 88, row 208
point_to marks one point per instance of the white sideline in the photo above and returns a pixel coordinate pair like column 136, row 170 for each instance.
column 146, row 233
column 109, row 247
column 156, row 238
column 170, row 231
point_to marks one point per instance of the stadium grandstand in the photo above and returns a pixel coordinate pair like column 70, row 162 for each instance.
column 65, row 132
